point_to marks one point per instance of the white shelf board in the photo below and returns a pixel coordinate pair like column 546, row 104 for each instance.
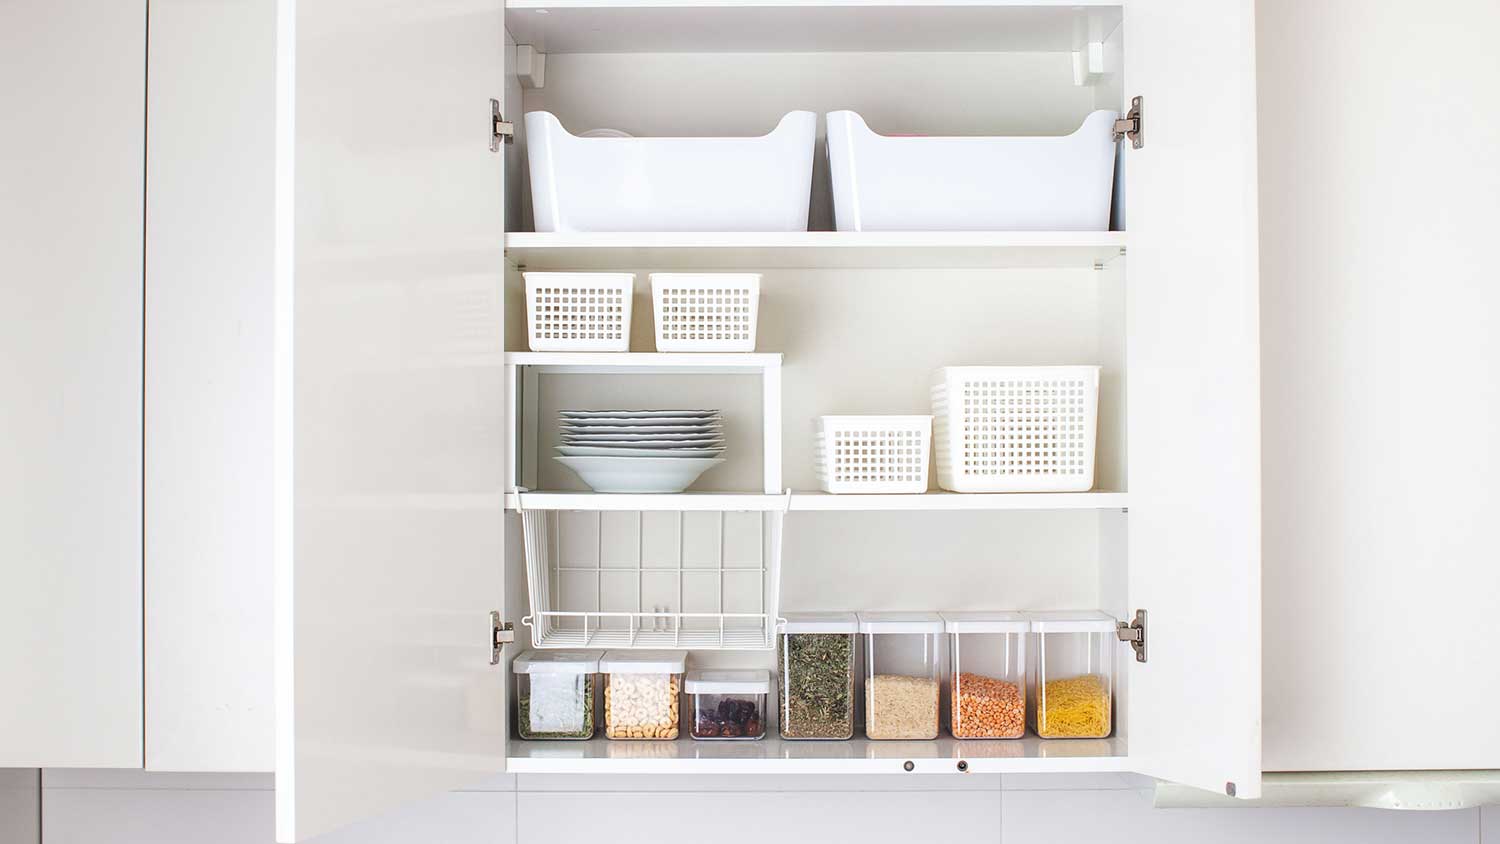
column 816, row 250
column 661, row 363
column 690, row 501
column 776, row 756
column 784, row 26
column 820, row 501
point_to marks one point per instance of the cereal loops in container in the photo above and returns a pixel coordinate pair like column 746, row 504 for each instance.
column 641, row 690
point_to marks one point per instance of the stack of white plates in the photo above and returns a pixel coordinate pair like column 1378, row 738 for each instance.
column 640, row 450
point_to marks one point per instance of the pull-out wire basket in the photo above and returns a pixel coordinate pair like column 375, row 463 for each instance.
column 653, row 578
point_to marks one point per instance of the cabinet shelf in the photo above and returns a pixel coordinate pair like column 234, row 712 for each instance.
column 817, row 501
column 660, row 363
column 857, row 756
column 814, row 250
column 667, row 26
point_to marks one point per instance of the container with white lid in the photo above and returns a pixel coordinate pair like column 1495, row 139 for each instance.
column 987, row 653
column 728, row 705
column 555, row 694
column 640, row 693
column 815, row 670
column 1073, row 674
column 901, row 674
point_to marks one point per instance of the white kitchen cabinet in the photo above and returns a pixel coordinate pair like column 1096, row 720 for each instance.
column 408, row 420
column 71, row 199
column 209, row 244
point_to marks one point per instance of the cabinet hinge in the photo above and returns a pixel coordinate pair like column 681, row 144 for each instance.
column 1135, row 634
column 1130, row 126
column 501, row 634
column 501, row 132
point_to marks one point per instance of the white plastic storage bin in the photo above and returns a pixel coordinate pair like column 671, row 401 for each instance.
column 883, row 183
column 815, row 673
column 987, row 651
column 757, row 184
column 579, row 312
column 901, row 674
column 1073, row 674
column 705, row 312
column 727, row 705
column 873, row 454
column 641, row 689
column 555, row 694
column 1015, row 428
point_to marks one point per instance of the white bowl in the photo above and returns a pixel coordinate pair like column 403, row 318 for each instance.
column 639, row 474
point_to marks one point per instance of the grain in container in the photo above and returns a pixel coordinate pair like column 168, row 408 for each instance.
column 1073, row 674
column 987, row 657
column 555, row 694
column 641, row 689
column 815, row 673
column 727, row 705
column 901, row 674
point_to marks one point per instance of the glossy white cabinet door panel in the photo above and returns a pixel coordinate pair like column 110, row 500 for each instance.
column 1193, row 355
column 390, row 221
column 209, row 249
column 71, row 196
column 1382, row 588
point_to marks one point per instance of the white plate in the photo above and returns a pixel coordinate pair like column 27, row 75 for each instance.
column 639, row 474
column 616, row 421
column 587, row 443
column 606, row 430
column 606, row 439
column 633, row 414
column 632, row 451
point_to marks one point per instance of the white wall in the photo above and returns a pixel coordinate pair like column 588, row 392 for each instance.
column 1380, row 194
column 93, row 807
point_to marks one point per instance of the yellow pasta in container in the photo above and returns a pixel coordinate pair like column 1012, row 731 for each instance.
column 1073, row 674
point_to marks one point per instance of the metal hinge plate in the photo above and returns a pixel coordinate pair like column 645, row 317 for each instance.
column 1130, row 126
column 1135, row 634
column 502, row 633
column 501, row 132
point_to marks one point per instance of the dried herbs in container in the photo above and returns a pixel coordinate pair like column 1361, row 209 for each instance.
column 815, row 666
column 555, row 694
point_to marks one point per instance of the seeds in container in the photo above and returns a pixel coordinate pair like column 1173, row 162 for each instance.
column 985, row 707
column 898, row 707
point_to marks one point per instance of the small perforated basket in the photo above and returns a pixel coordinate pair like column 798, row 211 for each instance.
column 578, row 312
column 1015, row 428
column 705, row 312
column 873, row 454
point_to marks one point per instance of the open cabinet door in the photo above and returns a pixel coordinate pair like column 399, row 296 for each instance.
column 1194, row 382
column 389, row 513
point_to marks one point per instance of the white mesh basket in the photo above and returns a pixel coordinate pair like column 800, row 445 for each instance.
column 873, row 454
column 705, row 312
column 1016, row 428
column 579, row 312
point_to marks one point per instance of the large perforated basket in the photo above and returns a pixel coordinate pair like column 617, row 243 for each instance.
column 1015, row 428
column 578, row 312
column 873, row 454
column 705, row 312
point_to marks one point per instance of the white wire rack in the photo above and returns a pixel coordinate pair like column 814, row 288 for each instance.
column 653, row 579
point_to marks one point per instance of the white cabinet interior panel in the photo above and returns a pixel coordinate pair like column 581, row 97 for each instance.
column 1380, row 401
column 209, row 248
column 70, row 373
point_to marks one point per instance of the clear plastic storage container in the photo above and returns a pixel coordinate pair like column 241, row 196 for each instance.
column 987, row 650
column 901, row 674
column 555, row 694
column 815, row 669
column 727, row 705
column 641, row 689
column 1072, row 688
